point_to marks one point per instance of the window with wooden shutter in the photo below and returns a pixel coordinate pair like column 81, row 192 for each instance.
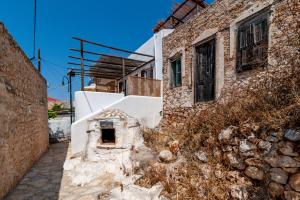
column 176, row 72
column 252, row 40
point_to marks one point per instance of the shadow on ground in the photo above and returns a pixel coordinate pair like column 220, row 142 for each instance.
column 43, row 181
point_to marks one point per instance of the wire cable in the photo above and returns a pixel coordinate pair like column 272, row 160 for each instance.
column 34, row 28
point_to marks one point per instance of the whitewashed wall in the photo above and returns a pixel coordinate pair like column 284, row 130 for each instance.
column 153, row 47
column 59, row 128
column 89, row 102
column 146, row 110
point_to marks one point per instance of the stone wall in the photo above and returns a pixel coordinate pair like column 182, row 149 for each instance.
column 23, row 108
column 220, row 21
column 271, row 157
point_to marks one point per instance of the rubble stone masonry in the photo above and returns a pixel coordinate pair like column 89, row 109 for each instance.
column 23, row 113
column 220, row 21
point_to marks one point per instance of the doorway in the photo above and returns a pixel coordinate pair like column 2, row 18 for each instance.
column 205, row 71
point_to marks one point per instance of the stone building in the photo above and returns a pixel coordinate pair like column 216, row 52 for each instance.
column 220, row 46
column 23, row 107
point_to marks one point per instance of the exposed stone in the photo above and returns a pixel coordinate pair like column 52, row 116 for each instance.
column 265, row 145
column 290, row 170
column 202, row 156
column 227, row 134
column 275, row 190
column 254, row 162
column 272, row 139
column 165, row 156
column 248, row 154
column 254, row 173
column 282, row 161
column 278, row 175
column 278, row 134
column 23, row 106
column 235, row 161
column 287, row 148
column 291, row 195
column 246, row 146
column 292, row 135
column 295, row 182
column 238, row 192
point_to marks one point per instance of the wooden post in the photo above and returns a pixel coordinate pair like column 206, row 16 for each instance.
column 39, row 60
column 82, row 65
column 124, row 89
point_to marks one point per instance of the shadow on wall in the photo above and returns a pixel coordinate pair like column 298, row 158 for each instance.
column 59, row 129
column 43, row 181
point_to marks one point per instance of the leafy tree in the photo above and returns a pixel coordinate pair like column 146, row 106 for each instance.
column 52, row 114
column 57, row 107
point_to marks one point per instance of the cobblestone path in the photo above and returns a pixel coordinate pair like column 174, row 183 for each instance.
column 43, row 181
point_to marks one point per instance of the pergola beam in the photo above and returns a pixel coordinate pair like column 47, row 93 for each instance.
column 197, row 2
column 99, row 76
column 102, row 62
column 106, row 55
column 113, row 48
column 101, row 70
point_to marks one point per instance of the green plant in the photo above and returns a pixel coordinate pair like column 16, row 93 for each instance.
column 51, row 114
column 57, row 107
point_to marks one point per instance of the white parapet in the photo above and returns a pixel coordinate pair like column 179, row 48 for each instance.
column 88, row 102
column 147, row 110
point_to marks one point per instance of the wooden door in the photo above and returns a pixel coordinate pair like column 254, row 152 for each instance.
column 205, row 72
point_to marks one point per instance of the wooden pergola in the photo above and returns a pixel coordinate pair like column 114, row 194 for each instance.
column 105, row 66
column 180, row 14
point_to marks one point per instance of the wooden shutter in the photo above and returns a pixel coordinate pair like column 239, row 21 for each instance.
column 252, row 43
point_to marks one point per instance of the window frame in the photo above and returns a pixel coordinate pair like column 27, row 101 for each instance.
column 176, row 74
column 251, row 52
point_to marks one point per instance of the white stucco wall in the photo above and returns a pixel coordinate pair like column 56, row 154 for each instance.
column 89, row 102
column 153, row 47
column 158, row 51
column 145, row 109
column 60, row 128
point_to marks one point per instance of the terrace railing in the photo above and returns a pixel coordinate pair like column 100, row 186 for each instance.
column 143, row 86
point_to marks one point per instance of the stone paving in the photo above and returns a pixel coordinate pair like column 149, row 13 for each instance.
column 43, row 181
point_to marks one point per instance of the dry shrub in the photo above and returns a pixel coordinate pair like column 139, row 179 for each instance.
column 272, row 102
column 269, row 99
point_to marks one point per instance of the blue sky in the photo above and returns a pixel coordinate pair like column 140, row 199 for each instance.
column 123, row 23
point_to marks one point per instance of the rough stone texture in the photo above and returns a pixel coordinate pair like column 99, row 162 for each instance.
column 292, row 135
column 202, row 156
column 278, row 175
column 295, row 182
column 23, row 108
column 165, row 156
column 291, row 195
column 254, row 173
column 275, row 190
column 179, row 104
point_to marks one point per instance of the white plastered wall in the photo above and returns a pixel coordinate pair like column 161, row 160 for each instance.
column 89, row 102
column 145, row 109
column 153, row 47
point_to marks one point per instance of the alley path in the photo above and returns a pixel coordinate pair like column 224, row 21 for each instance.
column 43, row 181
